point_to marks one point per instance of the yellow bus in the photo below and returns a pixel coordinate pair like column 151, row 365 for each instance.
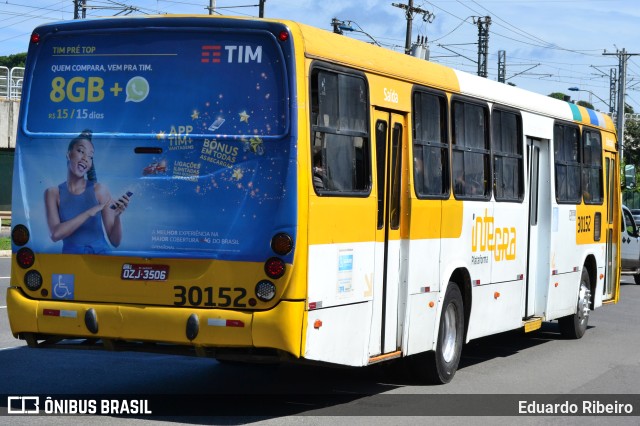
column 242, row 189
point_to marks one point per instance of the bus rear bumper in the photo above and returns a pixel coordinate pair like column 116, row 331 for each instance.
column 278, row 328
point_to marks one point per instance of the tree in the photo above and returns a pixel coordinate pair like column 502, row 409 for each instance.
column 632, row 142
column 628, row 109
column 11, row 61
column 557, row 95
column 585, row 104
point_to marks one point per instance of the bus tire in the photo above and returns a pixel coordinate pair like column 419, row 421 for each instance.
column 636, row 278
column 574, row 326
column 439, row 366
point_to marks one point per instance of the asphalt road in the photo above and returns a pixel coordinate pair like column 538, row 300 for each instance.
column 603, row 365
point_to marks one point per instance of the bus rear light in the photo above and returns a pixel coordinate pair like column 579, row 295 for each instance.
column 26, row 258
column 282, row 244
column 33, row 280
column 283, row 36
column 35, row 38
column 265, row 290
column 597, row 224
column 20, row 235
column 274, row 268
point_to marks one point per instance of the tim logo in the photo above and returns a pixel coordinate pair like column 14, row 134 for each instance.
column 233, row 54
column 211, row 53
column 23, row 405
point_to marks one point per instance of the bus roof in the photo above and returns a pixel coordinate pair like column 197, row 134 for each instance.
column 323, row 44
column 350, row 52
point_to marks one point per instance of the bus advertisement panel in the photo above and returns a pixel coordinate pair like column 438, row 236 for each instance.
column 186, row 127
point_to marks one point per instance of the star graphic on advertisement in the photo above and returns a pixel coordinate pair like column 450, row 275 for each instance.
column 195, row 115
column 244, row 117
column 237, row 174
column 255, row 144
column 160, row 135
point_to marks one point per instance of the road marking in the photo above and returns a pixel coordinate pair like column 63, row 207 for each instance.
column 3, row 278
column 1, row 307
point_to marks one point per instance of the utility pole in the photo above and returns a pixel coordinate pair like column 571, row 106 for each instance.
column 261, row 8
column 77, row 6
column 502, row 66
column 612, row 91
column 483, row 44
column 623, row 57
column 410, row 11
column 212, row 6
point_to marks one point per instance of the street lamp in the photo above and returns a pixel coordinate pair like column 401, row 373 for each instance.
column 577, row 89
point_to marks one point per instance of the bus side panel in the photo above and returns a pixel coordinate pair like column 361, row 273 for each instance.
column 340, row 273
column 423, row 288
column 424, row 248
column 509, row 256
column 494, row 307
column 565, row 259
column 421, row 332
column 339, row 334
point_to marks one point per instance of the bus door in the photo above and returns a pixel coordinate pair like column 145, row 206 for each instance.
column 612, row 215
column 539, row 197
column 391, row 286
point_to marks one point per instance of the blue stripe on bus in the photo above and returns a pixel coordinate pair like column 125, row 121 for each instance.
column 594, row 117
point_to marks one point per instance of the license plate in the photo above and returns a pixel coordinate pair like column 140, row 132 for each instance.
column 133, row 271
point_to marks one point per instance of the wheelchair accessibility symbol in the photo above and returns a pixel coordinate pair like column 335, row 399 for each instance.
column 63, row 286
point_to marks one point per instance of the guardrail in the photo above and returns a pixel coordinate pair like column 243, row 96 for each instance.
column 11, row 82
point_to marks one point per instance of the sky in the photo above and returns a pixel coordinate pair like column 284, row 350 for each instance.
column 549, row 45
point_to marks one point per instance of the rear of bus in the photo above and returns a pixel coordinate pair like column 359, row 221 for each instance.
column 155, row 189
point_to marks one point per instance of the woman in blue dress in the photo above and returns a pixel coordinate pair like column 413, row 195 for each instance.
column 80, row 211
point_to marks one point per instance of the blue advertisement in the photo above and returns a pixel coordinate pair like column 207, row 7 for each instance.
column 159, row 143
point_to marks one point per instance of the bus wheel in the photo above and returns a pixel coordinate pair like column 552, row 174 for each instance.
column 440, row 366
column 636, row 278
column 574, row 326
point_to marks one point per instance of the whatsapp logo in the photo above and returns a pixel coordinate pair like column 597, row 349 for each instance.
column 137, row 89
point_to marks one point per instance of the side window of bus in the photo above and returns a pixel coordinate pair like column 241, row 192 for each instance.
column 340, row 138
column 471, row 155
column 430, row 148
column 567, row 161
column 592, row 186
column 506, row 143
